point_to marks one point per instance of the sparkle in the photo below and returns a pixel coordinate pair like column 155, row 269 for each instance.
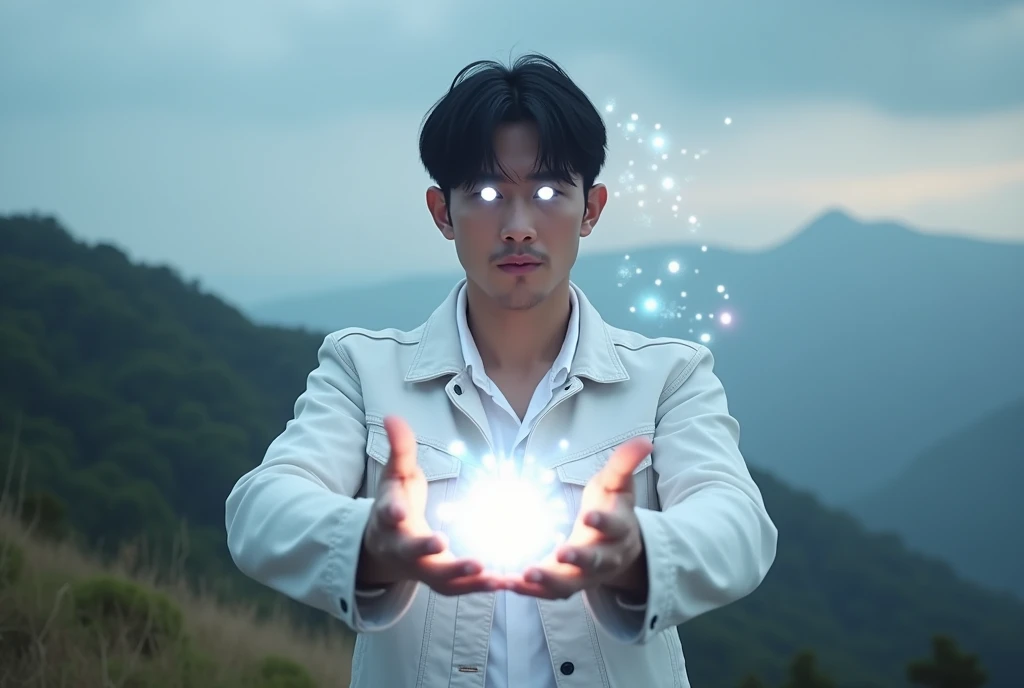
column 725, row 318
column 563, row 445
column 657, row 166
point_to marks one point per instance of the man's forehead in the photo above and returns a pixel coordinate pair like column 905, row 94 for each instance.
column 498, row 176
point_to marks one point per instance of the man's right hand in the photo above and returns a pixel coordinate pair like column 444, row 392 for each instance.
column 398, row 544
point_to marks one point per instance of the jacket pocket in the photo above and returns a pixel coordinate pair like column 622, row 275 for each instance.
column 440, row 467
column 578, row 472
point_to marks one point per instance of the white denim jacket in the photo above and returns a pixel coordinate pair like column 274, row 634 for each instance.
column 295, row 522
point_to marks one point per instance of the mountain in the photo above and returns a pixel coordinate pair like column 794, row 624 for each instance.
column 135, row 397
column 853, row 345
column 138, row 399
column 960, row 500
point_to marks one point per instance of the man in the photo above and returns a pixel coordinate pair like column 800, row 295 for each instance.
column 667, row 524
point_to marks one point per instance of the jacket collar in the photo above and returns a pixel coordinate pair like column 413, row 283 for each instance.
column 439, row 351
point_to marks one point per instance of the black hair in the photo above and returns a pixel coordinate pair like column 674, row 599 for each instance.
column 457, row 134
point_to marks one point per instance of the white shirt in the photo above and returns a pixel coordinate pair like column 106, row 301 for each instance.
column 518, row 656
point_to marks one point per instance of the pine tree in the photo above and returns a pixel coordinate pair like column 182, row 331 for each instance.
column 803, row 673
column 948, row 667
column 751, row 681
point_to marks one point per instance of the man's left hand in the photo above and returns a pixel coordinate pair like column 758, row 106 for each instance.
column 605, row 545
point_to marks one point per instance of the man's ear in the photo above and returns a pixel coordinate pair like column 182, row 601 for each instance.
column 439, row 212
column 597, row 198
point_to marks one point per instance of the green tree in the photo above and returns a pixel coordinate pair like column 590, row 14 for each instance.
column 948, row 667
column 803, row 673
column 751, row 681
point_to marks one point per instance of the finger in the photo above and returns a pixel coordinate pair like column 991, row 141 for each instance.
column 390, row 508
column 453, row 569
column 617, row 474
column 546, row 584
column 613, row 525
column 412, row 548
column 591, row 560
column 402, row 461
column 453, row 587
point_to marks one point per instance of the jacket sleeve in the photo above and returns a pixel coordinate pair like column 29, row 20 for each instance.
column 294, row 522
column 713, row 542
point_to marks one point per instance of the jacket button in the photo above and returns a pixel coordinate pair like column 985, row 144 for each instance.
column 458, row 389
column 344, row 606
column 567, row 668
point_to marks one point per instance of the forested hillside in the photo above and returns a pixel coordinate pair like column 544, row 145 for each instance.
column 138, row 400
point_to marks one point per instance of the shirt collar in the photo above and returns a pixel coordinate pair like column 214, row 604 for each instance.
column 471, row 354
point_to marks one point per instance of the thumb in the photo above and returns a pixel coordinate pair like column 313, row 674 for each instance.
column 617, row 474
column 402, row 461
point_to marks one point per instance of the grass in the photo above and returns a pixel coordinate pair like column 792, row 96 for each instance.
column 69, row 619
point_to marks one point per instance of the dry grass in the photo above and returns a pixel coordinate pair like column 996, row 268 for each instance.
column 45, row 644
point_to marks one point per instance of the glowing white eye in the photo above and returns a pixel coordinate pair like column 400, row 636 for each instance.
column 546, row 192
column 488, row 193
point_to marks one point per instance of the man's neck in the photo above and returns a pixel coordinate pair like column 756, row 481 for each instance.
column 518, row 342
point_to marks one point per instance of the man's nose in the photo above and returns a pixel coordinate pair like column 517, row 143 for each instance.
column 517, row 225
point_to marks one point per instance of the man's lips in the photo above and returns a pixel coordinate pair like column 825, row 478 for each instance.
column 518, row 267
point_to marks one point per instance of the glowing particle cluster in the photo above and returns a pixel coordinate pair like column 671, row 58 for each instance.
column 653, row 183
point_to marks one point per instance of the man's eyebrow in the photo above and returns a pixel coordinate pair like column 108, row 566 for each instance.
column 539, row 176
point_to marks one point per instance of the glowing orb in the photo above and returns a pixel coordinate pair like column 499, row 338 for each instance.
column 506, row 518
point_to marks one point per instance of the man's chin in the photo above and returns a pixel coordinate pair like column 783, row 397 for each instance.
column 520, row 298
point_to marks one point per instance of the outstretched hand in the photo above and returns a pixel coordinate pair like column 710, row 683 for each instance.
column 605, row 545
column 398, row 543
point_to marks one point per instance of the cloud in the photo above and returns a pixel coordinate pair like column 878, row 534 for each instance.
column 258, row 57
column 279, row 138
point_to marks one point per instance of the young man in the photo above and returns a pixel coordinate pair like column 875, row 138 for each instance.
column 667, row 524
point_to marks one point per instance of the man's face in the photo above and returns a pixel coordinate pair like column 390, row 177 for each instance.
column 530, row 216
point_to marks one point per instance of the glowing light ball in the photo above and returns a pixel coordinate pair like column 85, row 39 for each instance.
column 505, row 517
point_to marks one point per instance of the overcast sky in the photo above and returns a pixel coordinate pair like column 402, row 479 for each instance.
column 271, row 146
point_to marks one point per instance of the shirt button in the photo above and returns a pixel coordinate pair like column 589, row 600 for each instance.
column 344, row 606
column 458, row 389
column 567, row 668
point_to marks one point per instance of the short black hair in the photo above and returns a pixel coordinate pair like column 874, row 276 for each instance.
column 457, row 134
